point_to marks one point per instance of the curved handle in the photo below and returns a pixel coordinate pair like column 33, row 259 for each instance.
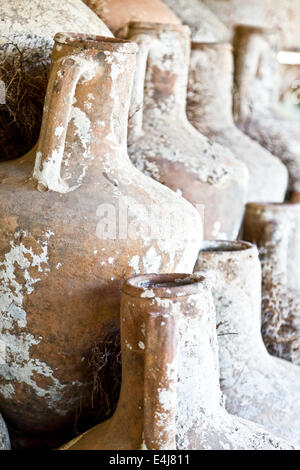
column 160, row 380
column 61, row 89
column 246, row 69
column 135, row 121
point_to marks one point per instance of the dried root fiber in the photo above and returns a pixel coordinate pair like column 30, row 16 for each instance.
column 24, row 67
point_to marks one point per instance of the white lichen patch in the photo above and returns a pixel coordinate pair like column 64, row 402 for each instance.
column 152, row 261
column 134, row 264
column 18, row 366
column 148, row 294
column 58, row 131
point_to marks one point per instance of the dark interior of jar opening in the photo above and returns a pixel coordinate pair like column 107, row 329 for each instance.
column 185, row 281
column 200, row 45
column 170, row 284
column 227, row 247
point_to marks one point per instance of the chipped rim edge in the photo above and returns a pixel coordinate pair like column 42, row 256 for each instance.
column 191, row 283
column 221, row 247
column 104, row 43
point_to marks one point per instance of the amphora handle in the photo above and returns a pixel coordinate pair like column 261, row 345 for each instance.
column 61, row 89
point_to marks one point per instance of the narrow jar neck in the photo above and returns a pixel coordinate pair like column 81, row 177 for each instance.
column 236, row 276
column 257, row 78
column 179, row 336
column 209, row 100
column 149, row 369
column 86, row 108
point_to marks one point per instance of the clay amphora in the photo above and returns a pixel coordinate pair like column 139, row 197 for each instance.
column 26, row 41
column 117, row 14
column 4, row 436
column 164, row 145
column 204, row 25
column 73, row 231
column 257, row 386
column 256, row 98
column 209, row 109
column 169, row 344
column 275, row 229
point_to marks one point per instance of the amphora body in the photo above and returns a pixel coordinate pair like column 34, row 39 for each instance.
column 169, row 344
column 257, row 386
column 165, row 146
column 73, row 224
column 256, row 107
column 209, row 109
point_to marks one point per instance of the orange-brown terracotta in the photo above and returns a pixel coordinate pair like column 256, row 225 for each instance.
column 169, row 343
column 117, row 14
column 164, row 145
column 64, row 250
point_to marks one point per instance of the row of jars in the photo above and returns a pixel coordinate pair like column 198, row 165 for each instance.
column 78, row 217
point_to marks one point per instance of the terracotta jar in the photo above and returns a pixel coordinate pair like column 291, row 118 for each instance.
column 209, row 109
column 117, row 14
column 275, row 229
column 26, row 41
column 256, row 98
column 86, row 220
column 4, row 436
column 164, row 145
column 257, row 386
column 169, row 344
column 204, row 25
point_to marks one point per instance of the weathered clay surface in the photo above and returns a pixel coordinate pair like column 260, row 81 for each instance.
column 257, row 386
column 257, row 87
column 204, row 25
column 209, row 109
column 64, row 251
column 275, row 229
column 4, row 436
column 169, row 345
column 26, row 37
column 117, row 14
column 164, row 145
column 283, row 14
column 47, row 18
